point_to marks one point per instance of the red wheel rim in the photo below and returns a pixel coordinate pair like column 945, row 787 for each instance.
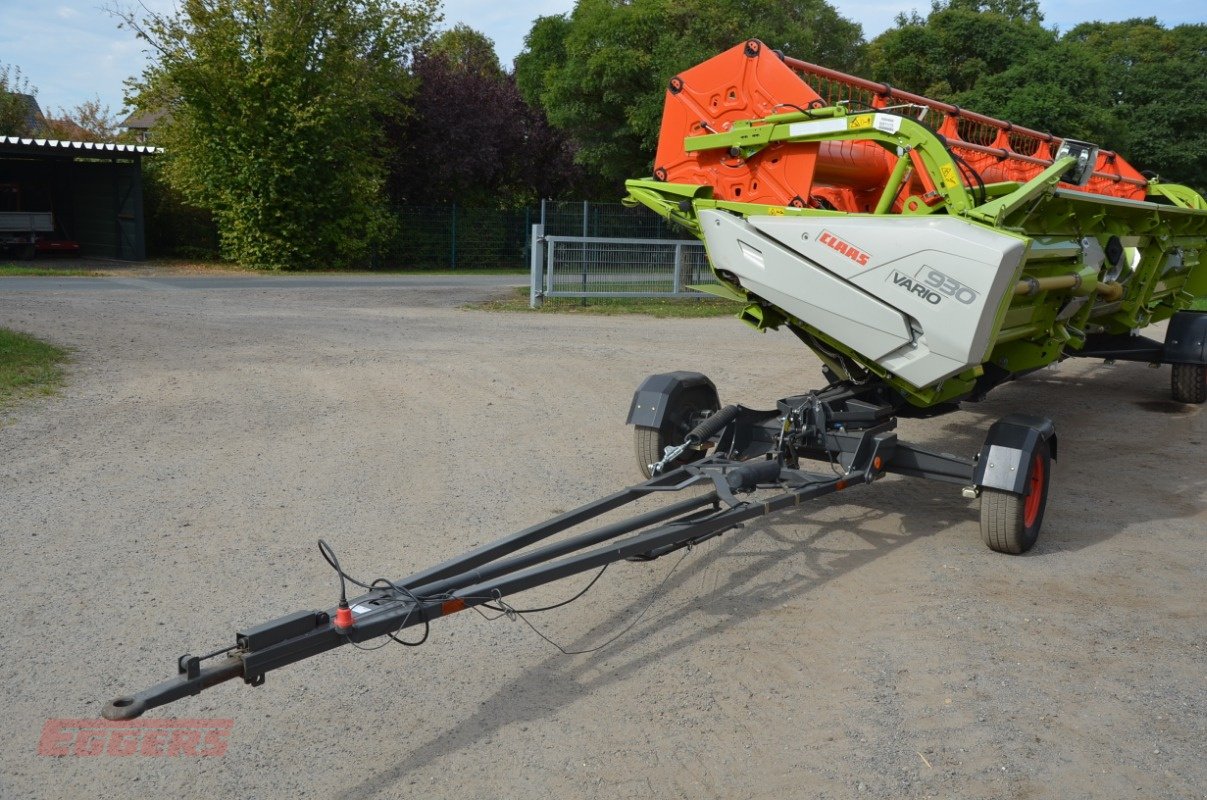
column 1035, row 492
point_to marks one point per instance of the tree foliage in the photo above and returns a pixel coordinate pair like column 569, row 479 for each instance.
column 14, row 107
column 1154, row 93
column 600, row 73
column 470, row 136
column 1134, row 86
column 90, row 121
column 958, row 44
column 275, row 111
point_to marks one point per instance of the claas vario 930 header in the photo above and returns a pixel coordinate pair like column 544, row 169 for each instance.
column 918, row 244
column 924, row 252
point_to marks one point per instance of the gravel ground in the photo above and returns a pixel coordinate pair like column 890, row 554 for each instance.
column 867, row 646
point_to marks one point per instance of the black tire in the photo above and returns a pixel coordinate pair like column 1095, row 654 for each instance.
column 1188, row 383
column 651, row 443
column 1010, row 522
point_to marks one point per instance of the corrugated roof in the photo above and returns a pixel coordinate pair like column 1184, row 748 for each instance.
column 55, row 144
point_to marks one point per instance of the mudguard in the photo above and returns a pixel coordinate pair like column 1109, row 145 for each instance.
column 1186, row 338
column 1004, row 461
column 657, row 393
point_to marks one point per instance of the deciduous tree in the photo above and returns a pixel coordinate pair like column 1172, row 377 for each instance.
column 1154, row 92
column 470, row 136
column 90, row 121
column 601, row 72
column 959, row 43
column 275, row 109
column 14, row 107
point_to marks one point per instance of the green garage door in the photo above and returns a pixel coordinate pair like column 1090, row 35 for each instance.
column 108, row 209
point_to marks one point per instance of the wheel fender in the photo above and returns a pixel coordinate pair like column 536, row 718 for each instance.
column 1186, row 338
column 659, row 392
column 1005, row 460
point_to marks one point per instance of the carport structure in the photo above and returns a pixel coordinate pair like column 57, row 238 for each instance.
column 94, row 190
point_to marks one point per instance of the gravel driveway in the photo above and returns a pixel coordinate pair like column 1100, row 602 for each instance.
column 868, row 646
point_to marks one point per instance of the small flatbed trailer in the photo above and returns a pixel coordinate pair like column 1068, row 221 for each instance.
column 19, row 231
column 808, row 446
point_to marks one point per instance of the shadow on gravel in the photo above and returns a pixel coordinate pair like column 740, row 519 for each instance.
column 743, row 594
column 1118, row 431
column 1106, row 443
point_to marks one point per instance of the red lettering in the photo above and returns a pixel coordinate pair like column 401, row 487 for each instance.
column 170, row 737
column 215, row 742
column 849, row 250
column 153, row 742
column 90, row 742
column 124, row 741
column 54, row 739
column 184, row 742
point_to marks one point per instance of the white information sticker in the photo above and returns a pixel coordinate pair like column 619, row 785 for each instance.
column 887, row 123
column 816, row 126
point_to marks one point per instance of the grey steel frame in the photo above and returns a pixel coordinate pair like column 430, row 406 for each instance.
column 850, row 429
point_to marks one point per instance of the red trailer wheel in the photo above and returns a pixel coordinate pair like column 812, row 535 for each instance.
column 1010, row 522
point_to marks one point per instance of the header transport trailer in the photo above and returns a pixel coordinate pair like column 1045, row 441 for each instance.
column 925, row 253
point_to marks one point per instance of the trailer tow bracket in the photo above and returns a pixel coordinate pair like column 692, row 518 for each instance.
column 847, row 428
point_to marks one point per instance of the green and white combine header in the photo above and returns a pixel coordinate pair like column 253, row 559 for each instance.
column 916, row 243
column 925, row 253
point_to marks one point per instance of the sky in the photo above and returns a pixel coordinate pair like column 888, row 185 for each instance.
column 72, row 50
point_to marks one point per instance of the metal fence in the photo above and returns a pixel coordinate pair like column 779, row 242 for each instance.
column 611, row 220
column 456, row 237
column 600, row 266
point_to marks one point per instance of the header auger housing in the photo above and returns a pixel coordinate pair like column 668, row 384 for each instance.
column 917, row 243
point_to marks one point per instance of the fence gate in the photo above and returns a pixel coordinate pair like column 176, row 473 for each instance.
column 596, row 266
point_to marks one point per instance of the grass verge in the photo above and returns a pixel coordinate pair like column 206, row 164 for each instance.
column 54, row 272
column 28, row 367
column 653, row 306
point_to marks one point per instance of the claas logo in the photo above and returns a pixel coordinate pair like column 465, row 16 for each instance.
column 846, row 248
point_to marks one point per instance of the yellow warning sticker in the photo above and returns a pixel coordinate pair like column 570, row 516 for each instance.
column 775, row 211
column 949, row 176
column 861, row 121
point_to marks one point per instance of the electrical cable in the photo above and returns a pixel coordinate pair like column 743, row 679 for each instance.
column 503, row 607
column 402, row 590
column 513, row 612
column 598, row 575
column 970, row 174
column 329, row 554
column 399, row 591
column 808, row 112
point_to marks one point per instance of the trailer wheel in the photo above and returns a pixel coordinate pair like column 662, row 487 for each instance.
column 1188, row 383
column 1010, row 522
column 651, row 443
